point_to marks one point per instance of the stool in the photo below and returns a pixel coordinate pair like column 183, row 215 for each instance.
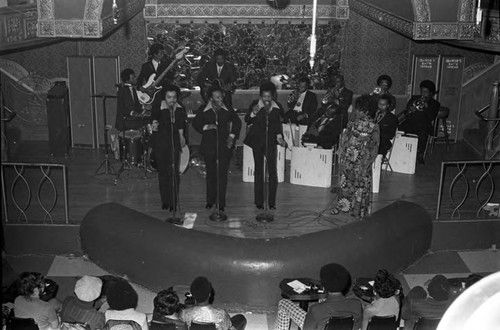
column 442, row 116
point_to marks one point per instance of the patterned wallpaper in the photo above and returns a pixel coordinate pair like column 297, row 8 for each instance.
column 258, row 51
column 371, row 50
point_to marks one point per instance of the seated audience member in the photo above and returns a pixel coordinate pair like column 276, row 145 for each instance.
column 122, row 300
column 387, row 122
column 386, row 301
column 337, row 281
column 421, row 110
column 203, row 312
column 431, row 304
column 325, row 130
column 302, row 104
column 166, row 310
column 80, row 307
column 29, row 304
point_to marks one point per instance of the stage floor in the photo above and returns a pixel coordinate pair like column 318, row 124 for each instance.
column 300, row 209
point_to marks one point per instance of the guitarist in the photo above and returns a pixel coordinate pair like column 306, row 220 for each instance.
column 156, row 64
column 421, row 110
column 220, row 73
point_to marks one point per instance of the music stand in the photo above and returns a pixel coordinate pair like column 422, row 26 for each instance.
column 108, row 169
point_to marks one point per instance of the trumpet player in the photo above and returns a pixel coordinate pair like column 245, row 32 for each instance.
column 421, row 111
column 302, row 104
column 384, row 83
column 339, row 96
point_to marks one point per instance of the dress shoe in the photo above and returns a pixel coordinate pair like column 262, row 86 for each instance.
column 420, row 159
column 209, row 206
column 221, row 209
column 272, row 207
column 260, row 206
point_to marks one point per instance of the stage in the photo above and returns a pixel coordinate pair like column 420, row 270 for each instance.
column 300, row 209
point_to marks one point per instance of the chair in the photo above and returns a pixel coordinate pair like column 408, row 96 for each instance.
column 426, row 323
column 16, row 323
column 202, row 326
column 382, row 323
column 340, row 323
column 75, row 326
column 386, row 159
column 439, row 122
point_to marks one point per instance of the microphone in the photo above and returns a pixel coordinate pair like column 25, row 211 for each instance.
column 172, row 113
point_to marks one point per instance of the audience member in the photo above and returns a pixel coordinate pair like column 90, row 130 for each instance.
column 29, row 304
column 80, row 307
column 431, row 304
column 122, row 300
column 166, row 311
column 386, row 302
column 337, row 281
column 203, row 312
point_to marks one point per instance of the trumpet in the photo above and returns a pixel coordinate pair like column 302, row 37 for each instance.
column 419, row 104
column 330, row 97
column 377, row 91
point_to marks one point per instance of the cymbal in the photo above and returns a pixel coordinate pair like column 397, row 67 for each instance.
column 111, row 96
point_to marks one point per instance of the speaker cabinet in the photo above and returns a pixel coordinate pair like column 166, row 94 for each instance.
column 58, row 119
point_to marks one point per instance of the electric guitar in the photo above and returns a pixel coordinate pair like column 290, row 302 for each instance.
column 227, row 88
column 151, row 87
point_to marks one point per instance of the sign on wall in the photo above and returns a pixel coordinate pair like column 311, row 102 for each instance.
column 450, row 89
column 425, row 67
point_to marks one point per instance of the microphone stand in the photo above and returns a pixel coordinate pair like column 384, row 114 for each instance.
column 174, row 219
column 217, row 215
column 266, row 216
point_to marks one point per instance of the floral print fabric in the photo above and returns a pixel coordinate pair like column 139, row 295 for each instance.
column 357, row 150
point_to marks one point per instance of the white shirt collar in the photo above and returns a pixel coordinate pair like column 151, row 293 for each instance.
column 209, row 106
column 164, row 105
column 273, row 104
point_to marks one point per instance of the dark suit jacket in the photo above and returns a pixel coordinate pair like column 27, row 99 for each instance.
column 310, row 106
column 148, row 69
column 422, row 120
column 319, row 314
column 256, row 135
column 345, row 101
column 388, row 126
column 163, row 137
column 227, row 121
column 124, row 106
column 228, row 74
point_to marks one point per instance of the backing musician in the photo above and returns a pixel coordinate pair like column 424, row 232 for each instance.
column 387, row 122
column 384, row 83
column 156, row 64
column 302, row 104
column 421, row 111
column 218, row 72
column 325, row 131
column 340, row 96
column 128, row 108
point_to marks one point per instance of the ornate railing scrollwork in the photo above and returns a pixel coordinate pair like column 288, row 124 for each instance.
column 19, row 200
column 484, row 170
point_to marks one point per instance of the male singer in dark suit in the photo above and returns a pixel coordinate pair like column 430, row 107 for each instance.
column 128, row 108
column 156, row 64
column 302, row 104
column 220, row 127
column 387, row 122
column 421, row 111
column 325, row 130
column 262, row 111
column 169, row 125
column 218, row 72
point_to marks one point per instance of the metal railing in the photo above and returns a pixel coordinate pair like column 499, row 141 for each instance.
column 484, row 170
column 15, row 199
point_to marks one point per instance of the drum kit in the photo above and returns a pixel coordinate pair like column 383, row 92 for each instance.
column 136, row 150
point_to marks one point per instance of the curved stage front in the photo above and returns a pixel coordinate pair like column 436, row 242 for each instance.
column 246, row 272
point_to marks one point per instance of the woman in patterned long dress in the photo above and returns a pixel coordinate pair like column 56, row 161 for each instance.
column 358, row 149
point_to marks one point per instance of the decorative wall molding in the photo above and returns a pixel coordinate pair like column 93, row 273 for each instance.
column 396, row 23
column 200, row 13
column 93, row 24
column 467, row 10
column 421, row 10
column 422, row 28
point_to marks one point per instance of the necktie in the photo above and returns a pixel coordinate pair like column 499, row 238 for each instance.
column 380, row 116
column 132, row 91
column 322, row 124
column 219, row 69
